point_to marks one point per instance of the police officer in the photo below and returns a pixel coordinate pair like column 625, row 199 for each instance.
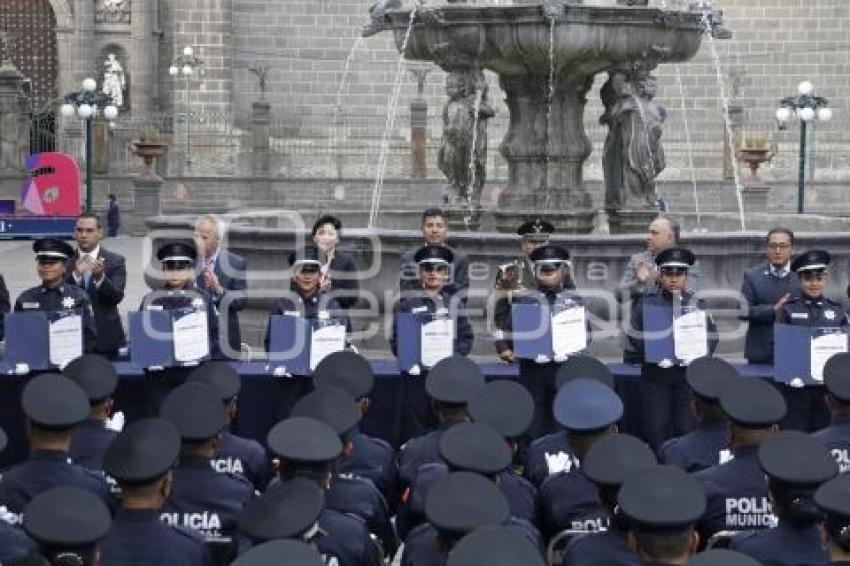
column 508, row 408
column 289, row 552
column 235, row 455
column 54, row 294
column 13, row 542
column 287, row 510
column 706, row 445
column 722, row 557
column 589, row 410
column 494, row 546
column 836, row 437
column 737, row 489
column 201, row 498
column 305, row 299
column 664, row 392
column 373, row 458
column 347, row 493
column 457, row 504
column 833, row 499
column 551, row 453
column 54, row 405
column 516, row 278
column 140, row 460
column 551, row 265
column 806, row 410
column 608, row 464
column 435, row 296
column 662, row 504
column 67, row 523
column 451, row 384
column 795, row 465
column 307, row 449
column 97, row 376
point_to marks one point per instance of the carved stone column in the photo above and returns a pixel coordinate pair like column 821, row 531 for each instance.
column 143, row 59
column 568, row 146
column 261, row 128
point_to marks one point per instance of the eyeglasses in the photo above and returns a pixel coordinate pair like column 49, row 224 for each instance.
column 778, row 246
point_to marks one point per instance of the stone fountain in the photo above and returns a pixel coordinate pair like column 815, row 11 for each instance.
column 546, row 56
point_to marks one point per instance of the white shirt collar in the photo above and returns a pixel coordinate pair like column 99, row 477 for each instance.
column 94, row 253
column 780, row 271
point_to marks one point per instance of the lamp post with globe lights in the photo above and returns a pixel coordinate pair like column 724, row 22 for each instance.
column 185, row 65
column 87, row 104
column 806, row 106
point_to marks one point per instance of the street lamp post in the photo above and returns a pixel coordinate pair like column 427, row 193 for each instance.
column 185, row 65
column 806, row 106
column 86, row 104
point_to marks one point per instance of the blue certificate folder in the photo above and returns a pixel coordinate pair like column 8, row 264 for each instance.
column 532, row 330
column 27, row 340
column 409, row 338
column 658, row 342
column 151, row 338
column 290, row 338
column 792, row 352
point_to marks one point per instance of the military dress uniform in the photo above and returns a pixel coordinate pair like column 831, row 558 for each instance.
column 305, row 446
column 569, row 498
column 793, row 480
column 143, row 453
column 664, row 395
column 55, row 403
column 706, row 445
column 61, row 297
column 836, row 436
column 235, row 455
column 806, row 410
column 201, row 498
column 97, row 376
column 608, row 464
column 737, row 489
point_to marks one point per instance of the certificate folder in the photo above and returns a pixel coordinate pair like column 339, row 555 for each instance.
column 151, row 341
column 290, row 341
column 658, row 334
column 792, row 347
column 531, row 330
column 409, row 327
column 27, row 340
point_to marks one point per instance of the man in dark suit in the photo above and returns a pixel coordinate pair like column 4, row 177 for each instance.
column 767, row 287
column 435, row 231
column 221, row 273
column 102, row 274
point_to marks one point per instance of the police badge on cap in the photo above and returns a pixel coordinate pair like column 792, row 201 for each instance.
column 433, row 254
column 51, row 248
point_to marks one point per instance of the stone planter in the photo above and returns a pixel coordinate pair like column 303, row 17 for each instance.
column 147, row 187
column 754, row 157
column 148, row 151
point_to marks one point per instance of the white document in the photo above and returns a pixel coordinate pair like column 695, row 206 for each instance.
column 569, row 332
column 66, row 339
column 324, row 341
column 437, row 341
column 690, row 336
column 824, row 347
column 191, row 337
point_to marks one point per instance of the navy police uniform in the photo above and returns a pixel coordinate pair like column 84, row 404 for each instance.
column 833, row 500
column 608, row 464
column 664, row 394
column 806, row 410
column 60, row 297
column 583, row 407
column 373, row 458
column 737, row 489
column 290, row 552
column 235, row 455
column 494, row 546
column 795, row 465
column 97, row 376
column 706, row 445
column 722, row 557
column 143, row 453
column 836, row 436
column 308, row 448
column 538, row 376
column 13, row 542
column 55, row 403
column 415, row 416
column 201, row 498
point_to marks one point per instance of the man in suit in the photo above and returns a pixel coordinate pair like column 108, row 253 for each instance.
column 102, row 275
column 435, row 232
column 767, row 287
column 221, row 273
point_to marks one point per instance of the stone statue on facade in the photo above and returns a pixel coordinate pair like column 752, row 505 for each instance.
column 114, row 81
column 377, row 12
column 463, row 151
column 633, row 156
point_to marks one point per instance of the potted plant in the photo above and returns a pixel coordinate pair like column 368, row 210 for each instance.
column 148, row 146
column 755, row 152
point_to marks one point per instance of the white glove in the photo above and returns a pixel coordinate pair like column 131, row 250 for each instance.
column 280, row 371
column 22, row 369
column 156, row 368
column 797, row 383
column 415, row 370
column 116, row 423
column 665, row 363
column 559, row 462
column 560, row 358
column 353, row 348
column 542, row 359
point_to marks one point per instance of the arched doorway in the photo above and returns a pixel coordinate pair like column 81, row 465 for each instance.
column 30, row 28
